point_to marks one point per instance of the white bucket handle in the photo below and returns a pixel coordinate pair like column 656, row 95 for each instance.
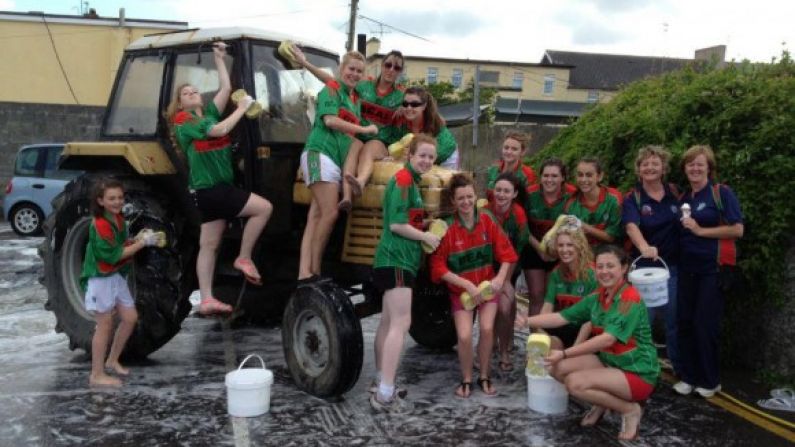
column 632, row 267
column 248, row 357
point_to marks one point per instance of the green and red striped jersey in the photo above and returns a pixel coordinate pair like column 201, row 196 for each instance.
column 209, row 158
column 379, row 108
column 564, row 290
column 541, row 215
column 107, row 237
column 402, row 204
column 514, row 224
column 604, row 215
column 525, row 174
column 338, row 100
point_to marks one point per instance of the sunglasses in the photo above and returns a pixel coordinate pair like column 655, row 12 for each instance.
column 391, row 66
column 413, row 104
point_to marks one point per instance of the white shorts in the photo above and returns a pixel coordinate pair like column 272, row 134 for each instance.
column 105, row 292
column 318, row 167
column 451, row 162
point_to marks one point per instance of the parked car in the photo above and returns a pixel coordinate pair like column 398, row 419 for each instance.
column 37, row 180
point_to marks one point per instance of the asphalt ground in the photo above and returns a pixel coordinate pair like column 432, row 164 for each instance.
column 178, row 397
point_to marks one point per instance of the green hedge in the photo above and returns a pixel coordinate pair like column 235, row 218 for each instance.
column 746, row 112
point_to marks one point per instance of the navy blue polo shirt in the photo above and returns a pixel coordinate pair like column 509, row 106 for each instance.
column 700, row 254
column 658, row 221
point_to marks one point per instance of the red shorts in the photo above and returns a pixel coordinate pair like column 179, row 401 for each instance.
column 638, row 388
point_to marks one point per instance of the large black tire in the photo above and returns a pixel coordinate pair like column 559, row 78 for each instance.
column 160, row 280
column 322, row 339
column 432, row 324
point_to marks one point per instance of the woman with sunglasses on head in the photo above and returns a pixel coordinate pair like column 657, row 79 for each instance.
column 380, row 98
column 421, row 115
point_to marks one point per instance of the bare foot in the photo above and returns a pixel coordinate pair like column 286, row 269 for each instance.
column 116, row 366
column 103, row 380
column 630, row 424
column 345, row 205
column 356, row 187
column 593, row 416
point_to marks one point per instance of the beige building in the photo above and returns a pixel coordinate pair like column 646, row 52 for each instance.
column 64, row 59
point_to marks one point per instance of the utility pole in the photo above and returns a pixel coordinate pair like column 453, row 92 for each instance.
column 476, row 106
column 352, row 25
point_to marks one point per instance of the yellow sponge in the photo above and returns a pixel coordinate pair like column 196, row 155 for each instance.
column 254, row 110
column 286, row 51
column 397, row 149
column 547, row 239
column 437, row 227
column 485, row 291
column 537, row 348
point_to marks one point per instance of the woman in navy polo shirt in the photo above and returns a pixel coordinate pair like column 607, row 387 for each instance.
column 706, row 243
column 651, row 219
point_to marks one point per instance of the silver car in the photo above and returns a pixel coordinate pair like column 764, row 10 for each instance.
column 37, row 180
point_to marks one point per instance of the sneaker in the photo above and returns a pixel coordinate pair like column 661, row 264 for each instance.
column 399, row 390
column 396, row 405
column 683, row 388
column 707, row 392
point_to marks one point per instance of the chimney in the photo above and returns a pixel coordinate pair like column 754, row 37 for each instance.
column 361, row 44
column 716, row 54
column 122, row 18
column 373, row 46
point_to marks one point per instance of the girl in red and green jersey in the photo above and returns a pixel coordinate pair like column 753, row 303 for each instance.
column 474, row 242
column 597, row 206
column 571, row 280
column 617, row 367
column 421, row 115
column 544, row 203
column 380, row 99
column 204, row 137
column 105, row 264
column 514, row 148
column 336, row 123
column 506, row 207
column 397, row 260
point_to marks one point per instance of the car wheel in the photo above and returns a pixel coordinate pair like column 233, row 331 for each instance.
column 26, row 219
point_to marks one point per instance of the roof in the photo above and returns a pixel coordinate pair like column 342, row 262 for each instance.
column 460, row 113
column 35, row 16
column 198, row 35
column 610, row 71
column 514, row 106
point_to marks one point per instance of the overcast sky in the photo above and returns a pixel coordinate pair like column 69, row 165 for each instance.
column 517, row 30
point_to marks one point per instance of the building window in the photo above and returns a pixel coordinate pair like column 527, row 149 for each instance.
column 593, row 96
column 433, row 75
column 549, row 84
column 518, row 79
column 458, row 77
column 490, row 77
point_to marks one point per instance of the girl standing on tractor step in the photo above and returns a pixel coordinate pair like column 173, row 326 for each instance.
column 336, row 122
column 204, row 137
column 617, row 367
column 105, row 264
column 397, row 260
column 466, row 256
column 381, row 100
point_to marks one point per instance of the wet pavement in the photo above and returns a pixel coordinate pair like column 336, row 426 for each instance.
column 177, row 396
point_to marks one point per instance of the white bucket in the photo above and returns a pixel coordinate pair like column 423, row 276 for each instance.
column 546, row 395
column 651, row 282
column 248, row 391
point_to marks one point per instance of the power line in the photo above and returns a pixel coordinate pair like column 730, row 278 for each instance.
column 394, row 28
column 58, row 58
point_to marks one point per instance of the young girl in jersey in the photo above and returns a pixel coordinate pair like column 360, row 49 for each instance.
column 545, row 202
column 507, row 196
column 104, row 267
column 598, row 207
column 421, row 114
column 474, row 242
column 514, row 148
column 380, row 98
column 617, row 367
column 571, row 280
column 336, row 121
column 204, row 137
column 397, row 260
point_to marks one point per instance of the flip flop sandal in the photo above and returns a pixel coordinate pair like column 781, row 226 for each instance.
column 783, row 393
column 484, row 383
column 211, row 306
column 777, row 403
column 249, row 271
column 466, row 390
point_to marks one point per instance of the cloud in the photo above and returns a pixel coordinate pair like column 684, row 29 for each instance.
column 593, row 33
column 7, row 5
column 611, row 6
column 429, row 23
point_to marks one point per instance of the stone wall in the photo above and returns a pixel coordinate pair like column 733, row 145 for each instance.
column 42, row 123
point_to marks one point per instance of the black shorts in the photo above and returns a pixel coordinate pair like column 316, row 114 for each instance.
column 567, row 334
column 387, row 278
column 530, row 260
column 221, row 201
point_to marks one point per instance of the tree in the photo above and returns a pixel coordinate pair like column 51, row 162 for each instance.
column 443, row 92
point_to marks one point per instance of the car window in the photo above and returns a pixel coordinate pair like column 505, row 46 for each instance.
column 51, row 165
column 27, row 162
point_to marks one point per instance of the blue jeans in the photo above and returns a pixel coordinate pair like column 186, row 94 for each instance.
column 669, row 312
